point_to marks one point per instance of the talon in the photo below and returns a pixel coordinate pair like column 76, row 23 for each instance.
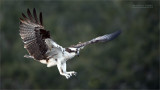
column 72, row 73
column 67, row 76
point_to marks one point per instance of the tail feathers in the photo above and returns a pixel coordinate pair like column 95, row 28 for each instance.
column 104, row 38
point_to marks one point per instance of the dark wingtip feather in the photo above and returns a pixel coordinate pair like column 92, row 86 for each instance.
column 21, row 19
column 117, row 32
column 40, row 17
column 28, row 11
column 35, row 15
column 29, row 14
column 24, row 16
column 107, row 37
column 114, row 34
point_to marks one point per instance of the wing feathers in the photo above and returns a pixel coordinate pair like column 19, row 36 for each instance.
column 40, row 17
column 24, row 16
column 21, row 19
column 35, row 15
column 33, row 35
column 29, row 15
column 104, row 38
column 107, row 37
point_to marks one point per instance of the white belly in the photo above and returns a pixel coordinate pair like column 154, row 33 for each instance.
column 62, row 57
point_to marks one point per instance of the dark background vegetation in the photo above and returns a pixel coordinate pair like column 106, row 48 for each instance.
column 131, row 61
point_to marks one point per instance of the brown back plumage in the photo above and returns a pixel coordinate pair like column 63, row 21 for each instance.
column 33, row 35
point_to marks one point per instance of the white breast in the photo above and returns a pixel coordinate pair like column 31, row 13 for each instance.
column 56, row 53
column 68, row 55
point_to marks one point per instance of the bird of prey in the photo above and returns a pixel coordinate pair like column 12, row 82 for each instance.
column 42, row 48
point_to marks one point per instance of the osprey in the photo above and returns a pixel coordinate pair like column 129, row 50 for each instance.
column 42, row 48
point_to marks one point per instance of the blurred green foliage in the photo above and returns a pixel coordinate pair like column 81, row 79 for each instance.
column 131, row 61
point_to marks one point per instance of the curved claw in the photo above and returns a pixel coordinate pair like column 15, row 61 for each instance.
column 75, row 73
column 67, row 76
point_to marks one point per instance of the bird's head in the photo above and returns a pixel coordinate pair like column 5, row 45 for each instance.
column 73, row 50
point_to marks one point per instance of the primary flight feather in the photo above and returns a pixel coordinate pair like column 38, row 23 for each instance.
column 42, row 48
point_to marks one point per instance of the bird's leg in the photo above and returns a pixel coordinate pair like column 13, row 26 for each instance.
column 62, row 70
column 70, row 73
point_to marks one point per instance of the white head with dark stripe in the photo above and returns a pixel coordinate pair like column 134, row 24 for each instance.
column 72, row 50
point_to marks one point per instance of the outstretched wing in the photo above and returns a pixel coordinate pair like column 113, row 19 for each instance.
column 33, row 35
column 104, row 38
